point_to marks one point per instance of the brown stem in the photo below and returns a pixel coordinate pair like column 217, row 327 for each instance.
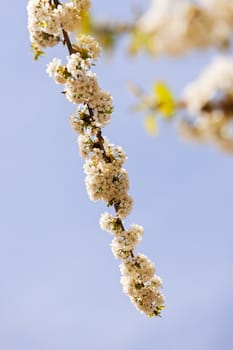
column 225, row 105
column 67, row 42
column 99, row 136
column 113, row 28
column 56, row 2
column 66, row 37
column 120, row 223
column 101, row 146
column 107, row 160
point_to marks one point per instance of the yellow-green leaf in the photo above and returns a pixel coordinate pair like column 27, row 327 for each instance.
column 37, row 52
column 164, row 100
column 151, row 125
column 140, row 41
column 107, row 40
column 86, row 24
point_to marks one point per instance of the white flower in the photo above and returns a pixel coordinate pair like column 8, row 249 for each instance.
column 126, row 241
column 90, row 45
column 77, row 124
column 148, row 301
column 144, row 294
column 217, row 78
column 178, row 26
column 76, row 65
column 82, row 123
column 156, row 283
column 110, row 224
column 102, row 107
column 82, row 5
column 105, row 182
column 69, row 16
column 124, row 206
column 139, row 268
column 43, row 39
column 83, row 89
column 55, row 69
column 43, row 17
column 85, row 144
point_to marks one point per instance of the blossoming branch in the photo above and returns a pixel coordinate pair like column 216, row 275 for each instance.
column 206, row 105
column 51, row 22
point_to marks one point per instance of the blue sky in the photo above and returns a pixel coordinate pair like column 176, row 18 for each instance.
column 59, row 283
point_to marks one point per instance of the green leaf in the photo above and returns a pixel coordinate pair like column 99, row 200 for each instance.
column 37, row 52
column 86, row 23
column 164, row 100
column 140, row 40
column 151, row 125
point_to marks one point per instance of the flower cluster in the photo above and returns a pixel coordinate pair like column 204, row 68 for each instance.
column 106, row 179
column 175, row 27
column 138, row 272
column 210, row 100
column 46, row 19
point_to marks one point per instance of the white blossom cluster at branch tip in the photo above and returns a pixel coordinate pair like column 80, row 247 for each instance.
column 90, row 45
column 216, row 79
column 46, row 19
column 138, row 273
column 210, row 100
column 106, row 179
column 178, row 26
